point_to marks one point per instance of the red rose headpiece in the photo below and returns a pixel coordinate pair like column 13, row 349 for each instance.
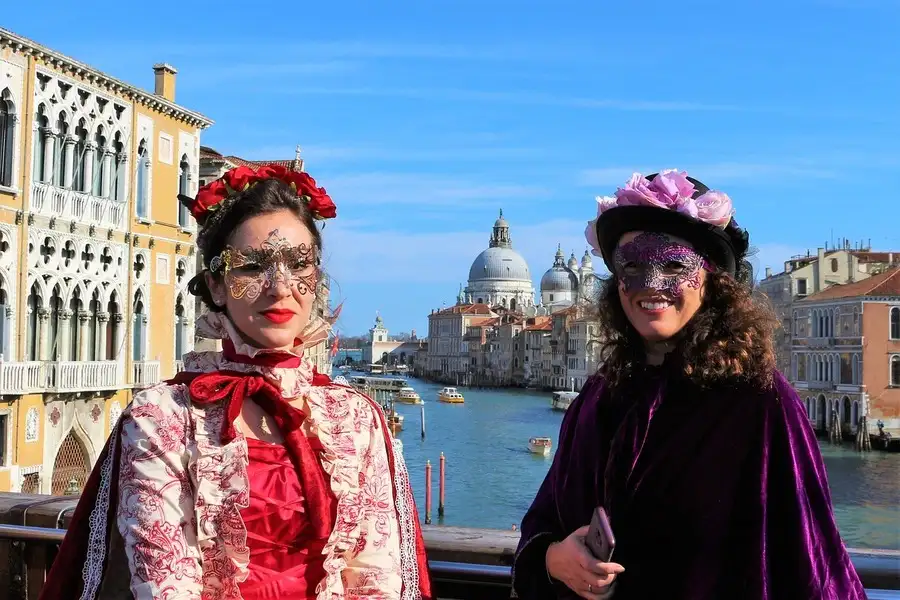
column 216, row 197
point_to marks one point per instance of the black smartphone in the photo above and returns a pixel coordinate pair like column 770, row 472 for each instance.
column 600, row 539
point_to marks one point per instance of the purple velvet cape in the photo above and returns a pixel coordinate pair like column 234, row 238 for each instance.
column 711, row 494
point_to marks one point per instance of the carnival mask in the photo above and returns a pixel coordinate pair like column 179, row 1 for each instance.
column 248, row 272
column 652, row 261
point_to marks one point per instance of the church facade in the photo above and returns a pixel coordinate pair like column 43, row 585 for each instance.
column 489, row 336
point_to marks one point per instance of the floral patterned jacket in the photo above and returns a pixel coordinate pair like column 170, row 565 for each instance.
column 177, row 492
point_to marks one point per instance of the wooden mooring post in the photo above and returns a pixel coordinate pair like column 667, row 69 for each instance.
column 441, row 486
column 428, row 492
column 863, row 440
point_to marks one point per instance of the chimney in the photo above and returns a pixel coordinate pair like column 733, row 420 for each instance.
column 164, row 81
column 768, row 272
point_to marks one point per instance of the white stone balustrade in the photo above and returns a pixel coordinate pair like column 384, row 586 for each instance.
column 52, row 201
column 22, row 377
column 145, row 373
column 76, row 376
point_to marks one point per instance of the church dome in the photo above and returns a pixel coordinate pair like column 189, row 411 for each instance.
column 573, row 263
column 559, row 278
column 499, row 263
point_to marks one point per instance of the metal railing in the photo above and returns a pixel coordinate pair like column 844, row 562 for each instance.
column 31, row 549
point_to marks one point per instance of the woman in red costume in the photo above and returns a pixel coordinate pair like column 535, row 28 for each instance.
column 249, row 476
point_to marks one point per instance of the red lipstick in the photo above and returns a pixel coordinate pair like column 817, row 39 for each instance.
column 278, row 315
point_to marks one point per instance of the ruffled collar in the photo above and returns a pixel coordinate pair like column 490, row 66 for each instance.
column 290, row 368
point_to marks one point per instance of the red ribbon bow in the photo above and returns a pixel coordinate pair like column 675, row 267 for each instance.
column 234, row 388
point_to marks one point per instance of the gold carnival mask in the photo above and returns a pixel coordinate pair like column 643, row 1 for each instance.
column 248, row 272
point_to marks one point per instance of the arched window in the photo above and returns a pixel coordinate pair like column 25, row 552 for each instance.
column 94, row 340
column 895, row 370
column 845, row 409
column 184, row 187
column 5, row 322
column 180, row 328
column 112, row 329
column 140, row 329
column 81, row 158
column 40, row 141
column 854, row 414
column 59, row 149
column 895, row 323
column 76, row 306
column 834, row 265
column 56, row 307
column 32, row 334
column 142, row 203
column 118, row 186
column 96, row 183
column 512, row 304
column 7, row 133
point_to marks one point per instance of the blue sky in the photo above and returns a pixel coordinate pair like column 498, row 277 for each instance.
column 423, row 119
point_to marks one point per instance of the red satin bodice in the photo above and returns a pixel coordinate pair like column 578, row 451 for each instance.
column 286, row 560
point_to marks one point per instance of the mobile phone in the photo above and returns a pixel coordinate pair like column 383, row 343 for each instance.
column 600, row 539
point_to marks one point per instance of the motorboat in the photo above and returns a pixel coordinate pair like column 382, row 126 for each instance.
column 407, row 395
column 562, row 400
column 540, row 445
column 450, row 395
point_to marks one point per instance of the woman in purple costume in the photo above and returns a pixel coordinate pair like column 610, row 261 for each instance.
column 696, row 446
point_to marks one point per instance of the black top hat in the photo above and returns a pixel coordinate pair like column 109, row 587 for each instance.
column 724, row 247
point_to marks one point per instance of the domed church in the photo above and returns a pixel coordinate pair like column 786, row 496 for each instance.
column 566, row 283
column 499, row 276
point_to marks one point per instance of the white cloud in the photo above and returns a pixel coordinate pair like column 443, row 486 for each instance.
column 527, row 97
column 243, row 72
column 713, row 173
column 385, row 189
column 355, row 252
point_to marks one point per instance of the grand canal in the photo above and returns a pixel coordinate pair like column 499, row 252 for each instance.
column 491, row 476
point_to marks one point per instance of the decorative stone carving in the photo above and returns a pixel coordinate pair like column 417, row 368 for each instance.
column 31, row 425
column 73, row 226
column 152, row 243
column 52, row 222
column 115, row 411
column 96, row 413
column 55, row 416
column 19, row 217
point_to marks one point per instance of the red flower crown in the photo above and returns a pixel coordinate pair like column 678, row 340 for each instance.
column 212, row 198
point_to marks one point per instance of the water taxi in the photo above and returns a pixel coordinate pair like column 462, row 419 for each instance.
column 407, row 395
column 540, row 445
column 451, row 396
column 562, row 400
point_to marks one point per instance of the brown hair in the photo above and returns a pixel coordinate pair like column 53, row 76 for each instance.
column 729, row 340
column 265, row 197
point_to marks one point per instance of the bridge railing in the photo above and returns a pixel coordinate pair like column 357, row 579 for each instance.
column 465, row 563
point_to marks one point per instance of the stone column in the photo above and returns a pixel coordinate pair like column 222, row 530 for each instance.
column 88, row 166
column 119, row 320
column 106, row 174
column 69, row 162
column 49, row 138
column 100, row 348
column 64, row 334
column 7, row 348
column 43, row 334
column 84, row 335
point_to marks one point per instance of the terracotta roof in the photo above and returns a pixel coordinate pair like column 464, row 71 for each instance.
column 483, row 321
column 467, row 309
column 867, row 256
column 541, row 323
column 883, row 284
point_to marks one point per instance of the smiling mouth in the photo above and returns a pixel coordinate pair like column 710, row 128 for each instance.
column 278, row 315
column 655, row 305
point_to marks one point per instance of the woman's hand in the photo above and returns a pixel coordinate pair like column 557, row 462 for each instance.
column 570, row 562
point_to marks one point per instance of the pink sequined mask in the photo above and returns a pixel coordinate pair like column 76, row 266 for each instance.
column 652, row 261
column 250, row 271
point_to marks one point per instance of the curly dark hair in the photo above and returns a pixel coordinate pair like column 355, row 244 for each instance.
column 730, row 340
column 265, row 197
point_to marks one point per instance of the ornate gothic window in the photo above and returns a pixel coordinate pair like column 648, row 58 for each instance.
column 32, row 333
column 7, row 133
column 96, row 154
column 40, row 141
column 81, row 158
column 895, row 323
column 184, row 187
column 142, row 204
column 140, row 328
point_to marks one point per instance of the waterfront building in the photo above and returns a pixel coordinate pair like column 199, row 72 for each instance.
column 807, row 275
column 448, row 353
column 380, row 348
column 536, row 335
column 214, row 165
column 93, row 246
column 845, row 358
column 582, row 347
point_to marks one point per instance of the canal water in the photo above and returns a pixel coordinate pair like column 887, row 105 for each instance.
column 492, row 477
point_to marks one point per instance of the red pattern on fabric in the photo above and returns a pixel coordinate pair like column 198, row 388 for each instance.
column 286, row 559
column 274, row 360
column 234, row 388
